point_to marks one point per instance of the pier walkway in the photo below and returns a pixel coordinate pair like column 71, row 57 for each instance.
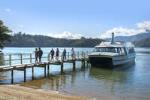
column 22, row 66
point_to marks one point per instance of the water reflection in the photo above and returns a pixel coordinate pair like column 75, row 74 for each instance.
column 89, row 79
column 55, row 82
column 112, row 79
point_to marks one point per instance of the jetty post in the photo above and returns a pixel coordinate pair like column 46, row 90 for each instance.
column 24, row 73
column 45, row 70
column 12, row 76
column 48, row 66
column 32, row 72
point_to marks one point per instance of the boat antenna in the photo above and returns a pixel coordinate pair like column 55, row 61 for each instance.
column 112, row 40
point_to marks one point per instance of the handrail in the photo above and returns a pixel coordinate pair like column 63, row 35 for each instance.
column 21, row 57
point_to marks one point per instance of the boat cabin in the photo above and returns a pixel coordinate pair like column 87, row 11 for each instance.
column 117, row 47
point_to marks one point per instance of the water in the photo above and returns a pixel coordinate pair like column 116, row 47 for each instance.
column 130, row 82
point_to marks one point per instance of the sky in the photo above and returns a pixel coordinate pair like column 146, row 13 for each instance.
column 76, row 18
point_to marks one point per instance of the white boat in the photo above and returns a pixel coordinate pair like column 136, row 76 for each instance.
column 110, row 54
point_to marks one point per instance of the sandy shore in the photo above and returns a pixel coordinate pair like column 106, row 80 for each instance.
column 16, row 92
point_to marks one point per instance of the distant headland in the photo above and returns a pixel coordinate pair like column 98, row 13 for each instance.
column 25, row 40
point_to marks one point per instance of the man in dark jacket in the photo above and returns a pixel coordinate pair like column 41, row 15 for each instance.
column 52, row 52
column 40, row 53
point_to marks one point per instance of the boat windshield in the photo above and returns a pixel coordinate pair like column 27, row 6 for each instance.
column 110, row 49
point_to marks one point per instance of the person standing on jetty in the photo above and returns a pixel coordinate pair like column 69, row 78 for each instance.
column 52, row 54
column 64, row 55
column 36, row 55
column 57, row 54
column 73, row 54
column 40, row 53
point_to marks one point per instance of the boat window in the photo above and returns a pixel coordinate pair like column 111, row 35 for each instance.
column 110, row 49
column 131, row 50
column 120, row 51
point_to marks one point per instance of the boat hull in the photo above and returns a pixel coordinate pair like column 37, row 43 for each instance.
column 111, row 62
column 101, row 61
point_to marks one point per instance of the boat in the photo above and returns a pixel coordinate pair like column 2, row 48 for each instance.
column 111, row 54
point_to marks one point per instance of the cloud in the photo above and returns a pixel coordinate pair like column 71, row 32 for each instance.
column 145, row 25
column 121, row 31
column 7, row 10
column 66, row 34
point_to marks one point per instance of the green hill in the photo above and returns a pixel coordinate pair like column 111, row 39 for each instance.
column 143, row 43
column 25, row 40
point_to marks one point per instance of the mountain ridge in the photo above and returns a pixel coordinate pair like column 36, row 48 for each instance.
column 26, row 40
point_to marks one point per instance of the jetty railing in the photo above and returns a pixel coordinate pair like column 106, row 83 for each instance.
column 29, row 58
column 21, row 62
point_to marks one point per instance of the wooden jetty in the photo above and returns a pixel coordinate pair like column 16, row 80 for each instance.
column 80, row 56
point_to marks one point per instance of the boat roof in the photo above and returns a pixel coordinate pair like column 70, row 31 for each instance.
column 115, row 44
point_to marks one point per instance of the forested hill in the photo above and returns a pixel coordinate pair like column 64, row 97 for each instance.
column 24, row 40
column 143, row 43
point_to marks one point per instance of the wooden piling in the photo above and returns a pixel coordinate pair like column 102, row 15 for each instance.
column 25, row 74
column 12, row 76
column 48, row 65
column 44, row 70
column 32, row 72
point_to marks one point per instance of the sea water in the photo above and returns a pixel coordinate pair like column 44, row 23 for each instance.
column 129, row 82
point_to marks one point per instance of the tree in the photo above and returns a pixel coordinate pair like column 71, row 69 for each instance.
column 4, row 36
